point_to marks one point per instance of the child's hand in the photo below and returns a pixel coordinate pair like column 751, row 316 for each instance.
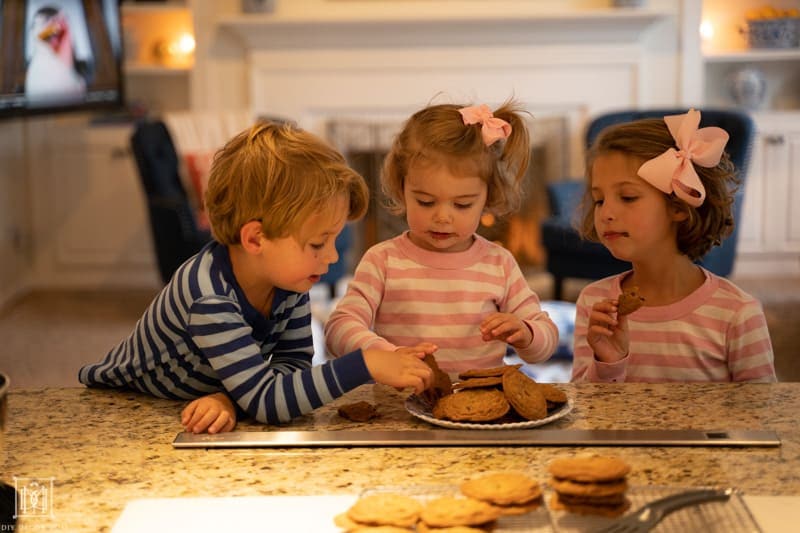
column 607, row 336
column 402, row 368
column 508, row 328
column 214, row 413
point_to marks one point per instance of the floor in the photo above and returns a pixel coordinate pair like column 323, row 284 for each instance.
column 48, row 335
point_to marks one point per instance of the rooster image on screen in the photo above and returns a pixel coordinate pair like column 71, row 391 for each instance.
column 52, row 73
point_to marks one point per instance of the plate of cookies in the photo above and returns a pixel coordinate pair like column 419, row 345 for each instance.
column 489, row 398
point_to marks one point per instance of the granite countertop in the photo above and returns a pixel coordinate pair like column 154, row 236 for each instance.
column 103, row 448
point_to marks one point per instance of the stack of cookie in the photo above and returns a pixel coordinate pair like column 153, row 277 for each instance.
column 590, row 484
column 501, row 394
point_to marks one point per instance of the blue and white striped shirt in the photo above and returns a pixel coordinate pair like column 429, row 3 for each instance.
column 200, row 335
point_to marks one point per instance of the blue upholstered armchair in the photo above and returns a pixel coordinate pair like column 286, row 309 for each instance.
column 569, row 256
column 176, row 236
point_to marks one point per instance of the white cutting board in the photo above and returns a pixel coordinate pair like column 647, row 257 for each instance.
column 314, row 514
column 289, row 514
column 775, row 514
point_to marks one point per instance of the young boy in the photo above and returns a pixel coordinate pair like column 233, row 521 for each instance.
column 233, row 325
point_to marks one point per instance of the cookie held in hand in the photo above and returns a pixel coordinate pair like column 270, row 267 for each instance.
column 440, row 385
column 629, row 301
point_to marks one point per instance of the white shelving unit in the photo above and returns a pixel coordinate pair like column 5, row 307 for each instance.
column 156, row 81
column 770, row 229
column 747, row 56
column 144, row 69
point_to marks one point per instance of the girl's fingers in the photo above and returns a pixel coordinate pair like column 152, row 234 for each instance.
column 600, row 330
column 514, row 337
column 427, row 347
column 599, row 317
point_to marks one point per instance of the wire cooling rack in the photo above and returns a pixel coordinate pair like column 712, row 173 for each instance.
column 732, row 516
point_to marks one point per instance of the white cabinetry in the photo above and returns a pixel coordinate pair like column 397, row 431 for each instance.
column 89, row 216
column 770, row 232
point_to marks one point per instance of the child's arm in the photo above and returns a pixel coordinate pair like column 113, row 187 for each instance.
column 607, row 335
column 402, row 368
column 508, row 328
column 585, row 365
column 520, row 320
column 349, row 326
column 748, row 345
column 276, row 386
column 214, row 413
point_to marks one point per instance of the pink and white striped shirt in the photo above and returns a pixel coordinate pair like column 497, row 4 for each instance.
column 402, row 295
column 717, row 333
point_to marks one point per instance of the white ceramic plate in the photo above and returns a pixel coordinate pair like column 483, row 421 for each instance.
column 420, row 408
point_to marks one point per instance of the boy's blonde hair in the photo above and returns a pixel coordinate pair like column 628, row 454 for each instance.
column 437, row 135
column 644, row 139
column 280, row 175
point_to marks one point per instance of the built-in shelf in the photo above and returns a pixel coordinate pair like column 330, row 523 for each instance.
column 765, row 54
column 170, row 5
column 141, row 69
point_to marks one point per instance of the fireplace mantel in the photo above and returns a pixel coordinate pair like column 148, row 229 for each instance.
column 384, row 26
column 383, row 60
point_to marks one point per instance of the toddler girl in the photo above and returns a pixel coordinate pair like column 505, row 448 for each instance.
column 659, row 194
column 439, row 282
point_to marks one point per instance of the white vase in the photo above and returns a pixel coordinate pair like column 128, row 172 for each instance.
column 258, row 6
column 748, row 87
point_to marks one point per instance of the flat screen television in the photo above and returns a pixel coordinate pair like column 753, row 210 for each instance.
column 60, row 55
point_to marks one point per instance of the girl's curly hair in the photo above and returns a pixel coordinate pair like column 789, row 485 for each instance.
column 644, row 139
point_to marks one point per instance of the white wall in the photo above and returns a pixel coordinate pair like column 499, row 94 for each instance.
column 221, row 79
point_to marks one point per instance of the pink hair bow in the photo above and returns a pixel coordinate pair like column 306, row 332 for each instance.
column 673, row 171
column 492, row 129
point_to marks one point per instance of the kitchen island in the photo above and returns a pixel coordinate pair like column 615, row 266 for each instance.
column 99, row 449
